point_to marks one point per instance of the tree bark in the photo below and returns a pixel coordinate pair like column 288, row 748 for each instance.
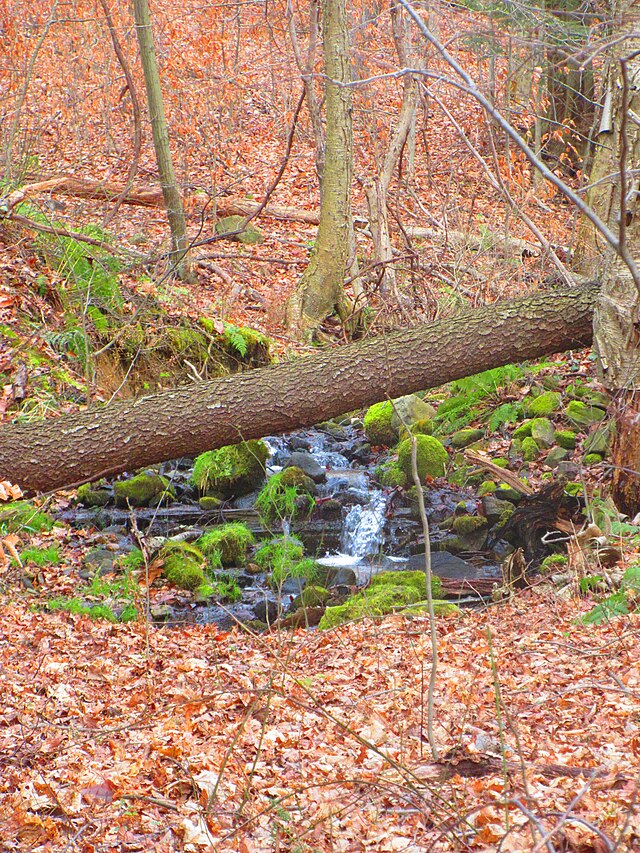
column 320, row 288
column 170, row 192
column 127, row 435
column 615, row 196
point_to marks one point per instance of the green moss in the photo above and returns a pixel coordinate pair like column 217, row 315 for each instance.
column 229, row 542
column 80, row 608
column 22, row 515
column 391, row 475
column 553, row 561
column 424, row 426
column 465, row 437
column 183, row 565
column 236, row 469
column 431, row 457
column 311, row 596
column 592, row 459
column 142, row 490
column 131, row 562
column 530, row 450
column 565, row 438
column 284, row 558
column 523, row 431
column 378, row 424
column 487, row 487
column 40, row 556
column 500, row 461
column 582, row 415
column 286, row 496
column 542, row 432
column 387, row 592
column 544, row 405
column 230, row 224
column 209, row 503
column 91, row 496
column 463, row 525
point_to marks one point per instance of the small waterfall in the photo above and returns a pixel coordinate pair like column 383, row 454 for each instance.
column 363, row 528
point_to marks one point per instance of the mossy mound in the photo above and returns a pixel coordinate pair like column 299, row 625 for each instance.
column 378, row 424
column 523, row 431
column 464, row 525
column 431, row 457
column 582, row 415
column 543, row 405
column 565, row 438
column 183, row 565
column 465, row 437
column 234, row 470
column 287, row 495
column 530, row 450
column 391, row 475
column 226, row 545
column 425, row 426
column 592, row 459
column 89, row 495
column 249, row 235
column 542, row 432
column 387, row 592
column 22, row 515
column 142, row 490
column 487, row 487
column 311, row 596
column 599, row 440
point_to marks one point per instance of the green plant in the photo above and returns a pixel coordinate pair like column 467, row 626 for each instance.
column 226, row 545
column 284, row 558
column 40, row 556
column 286, row 496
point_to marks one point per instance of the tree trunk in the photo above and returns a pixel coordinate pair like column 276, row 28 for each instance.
column 614, row 195
column 127, row 435
column 170, row 192
column 320, row 289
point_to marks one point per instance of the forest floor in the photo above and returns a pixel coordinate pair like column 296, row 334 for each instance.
column 129, row 737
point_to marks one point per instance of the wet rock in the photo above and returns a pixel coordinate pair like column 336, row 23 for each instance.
column 266, row 611
column 494, row 508
column 308, row 464
column 98, row 561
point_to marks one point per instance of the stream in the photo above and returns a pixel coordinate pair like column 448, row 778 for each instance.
column 356, row 529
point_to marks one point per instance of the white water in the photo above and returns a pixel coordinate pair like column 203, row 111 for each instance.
column 363, row 527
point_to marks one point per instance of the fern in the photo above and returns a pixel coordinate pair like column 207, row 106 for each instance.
column 235, row 338
column 508, row 413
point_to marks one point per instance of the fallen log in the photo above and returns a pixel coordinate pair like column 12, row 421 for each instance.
column 81, row 188
column 126, row 435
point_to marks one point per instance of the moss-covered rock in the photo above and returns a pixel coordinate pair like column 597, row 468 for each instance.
column 90, row 495
column 231, row 471
column 487, row 487
column 530, row 450
column 391, row 475
column 465, row 437
column 464, row 525
column 387, row 592
column 410, row 410
column 311, row 596
column 523, row 431
column 142, row 490
column 542, row 432
column 543, row 405
column 599, row 440
column 378, row 424
column 431, row 457
column 183, row 565
column 553, row 562
column 508, row 493
column 286, row 496
column 592, row 459
column 565, row 438
column 209, row 503
column 555, row 456
column 583, row 415
column 421, row 427
column 226, row 545
column 250, row 235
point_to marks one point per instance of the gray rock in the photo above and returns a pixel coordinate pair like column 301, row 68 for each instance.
column 543, row 432
column 410, row 409
column 555, row 456
column 494, row 508
column 308, row 464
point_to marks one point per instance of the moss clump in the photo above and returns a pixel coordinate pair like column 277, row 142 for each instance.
column 553, row 561
column 424, row 426
column 227, row 544
column 388, row 591
column 431, row 457
column 565, row 438
column 582, row 415
column 487, row 487
column 542, row 432
column 464, row 525
column 465, row 437
column 311, row 596
column 523, row 431
column 209, row 503
column 544, row 405
column 234, row 470
column 391, row 475
column 286, row 496
column 22, row 515
column 183, row 565
column 249, row 235
column 530, row 450
column 91, row 496
column 377, row 424
column 142, row 490
column 592, row 459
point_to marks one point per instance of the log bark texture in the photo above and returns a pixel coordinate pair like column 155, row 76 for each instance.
column 126, row 435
